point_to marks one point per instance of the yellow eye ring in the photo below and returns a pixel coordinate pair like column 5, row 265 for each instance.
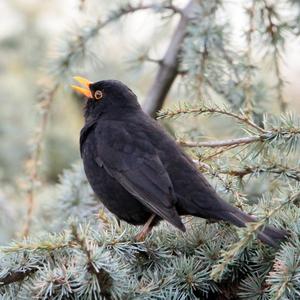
column 98, row 95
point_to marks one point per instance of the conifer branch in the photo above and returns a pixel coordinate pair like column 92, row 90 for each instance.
column 222, row 143
column 209, row 110
column 220, row 151
column 16, row 276
column 271, row 135
column 77, row 44
column 102, row 276
column 33, row 163
column 284, row 270
column 249, row 235
column 253, row 170
column 290, row 173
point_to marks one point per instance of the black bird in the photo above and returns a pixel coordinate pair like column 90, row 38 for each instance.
column 139, row 172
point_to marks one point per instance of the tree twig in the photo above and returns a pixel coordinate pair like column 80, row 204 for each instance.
column 273, row 31
column 77, row 44
column 202, row 110
column 249, row 78
column 290, row 173
column 248, row 170
column 34, row 161
column 222, row 143
column 16, row 276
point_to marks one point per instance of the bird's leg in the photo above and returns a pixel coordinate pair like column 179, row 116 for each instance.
column 145, row 230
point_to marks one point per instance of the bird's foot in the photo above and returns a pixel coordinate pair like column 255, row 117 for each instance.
column 141, row 236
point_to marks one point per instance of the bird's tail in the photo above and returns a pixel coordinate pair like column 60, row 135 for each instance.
column 269, row 235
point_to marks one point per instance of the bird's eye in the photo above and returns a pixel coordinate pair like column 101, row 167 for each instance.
column 98, row 95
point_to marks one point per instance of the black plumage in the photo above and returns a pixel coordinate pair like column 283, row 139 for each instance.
column 138, row 170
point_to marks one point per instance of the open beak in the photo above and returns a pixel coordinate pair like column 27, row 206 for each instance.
column 85, row 90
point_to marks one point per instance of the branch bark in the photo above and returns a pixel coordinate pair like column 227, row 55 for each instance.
column 224, row 143
column 16, row 276
column 168, row 68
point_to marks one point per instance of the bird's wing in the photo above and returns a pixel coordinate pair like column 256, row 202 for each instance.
column 132, row 160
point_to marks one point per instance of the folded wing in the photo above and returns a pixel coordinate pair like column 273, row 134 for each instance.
column 132, row 160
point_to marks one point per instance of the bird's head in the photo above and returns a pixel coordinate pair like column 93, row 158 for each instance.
column 105, row 95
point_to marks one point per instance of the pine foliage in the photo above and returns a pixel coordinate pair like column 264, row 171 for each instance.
column 77, row 250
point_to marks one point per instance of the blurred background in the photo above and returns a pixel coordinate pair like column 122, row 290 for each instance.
column 35, row 38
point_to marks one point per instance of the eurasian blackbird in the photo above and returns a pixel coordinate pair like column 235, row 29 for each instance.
column 139, row 172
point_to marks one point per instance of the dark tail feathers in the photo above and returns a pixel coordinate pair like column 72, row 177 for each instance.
column 269, row 235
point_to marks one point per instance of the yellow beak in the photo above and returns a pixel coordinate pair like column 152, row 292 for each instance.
column 82, row 90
